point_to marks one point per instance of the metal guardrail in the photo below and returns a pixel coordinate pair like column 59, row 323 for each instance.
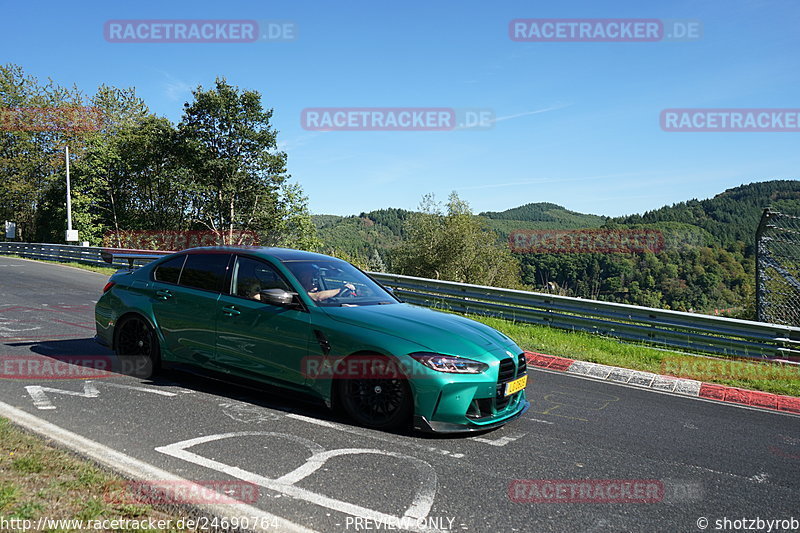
column 670, row 329
column 88, row 255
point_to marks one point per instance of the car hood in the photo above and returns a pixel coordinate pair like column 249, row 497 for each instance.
column 436, row 331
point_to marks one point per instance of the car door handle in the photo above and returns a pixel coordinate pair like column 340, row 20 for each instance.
column 164, row 295
column 231, row 311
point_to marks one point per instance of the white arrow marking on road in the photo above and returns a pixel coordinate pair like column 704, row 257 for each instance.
column 41, row 401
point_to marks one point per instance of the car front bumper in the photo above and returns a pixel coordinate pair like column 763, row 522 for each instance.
column 424, row 425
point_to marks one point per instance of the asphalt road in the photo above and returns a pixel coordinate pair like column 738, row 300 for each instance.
column 712, row 460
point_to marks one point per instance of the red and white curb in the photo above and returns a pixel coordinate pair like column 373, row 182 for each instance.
column 648, row 380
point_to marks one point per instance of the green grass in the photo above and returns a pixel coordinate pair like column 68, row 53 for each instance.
column 28, row 464
column 38, row 480
column 762, row 376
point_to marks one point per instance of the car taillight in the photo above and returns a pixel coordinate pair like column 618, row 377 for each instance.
column 108, row 286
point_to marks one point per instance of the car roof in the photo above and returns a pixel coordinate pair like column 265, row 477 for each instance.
column 281, row 254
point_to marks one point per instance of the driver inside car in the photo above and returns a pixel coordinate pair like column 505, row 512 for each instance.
column 305, row 275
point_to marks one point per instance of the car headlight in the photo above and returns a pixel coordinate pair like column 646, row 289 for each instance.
column 450, row 364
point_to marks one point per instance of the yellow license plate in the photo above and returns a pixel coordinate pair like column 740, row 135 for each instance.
column 516, row 385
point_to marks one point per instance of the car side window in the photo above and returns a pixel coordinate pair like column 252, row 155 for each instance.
column 205, row 271
column 170, row 270
column 251, row 276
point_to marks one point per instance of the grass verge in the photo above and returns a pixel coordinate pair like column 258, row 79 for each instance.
column 763, row 376
column 38, row 480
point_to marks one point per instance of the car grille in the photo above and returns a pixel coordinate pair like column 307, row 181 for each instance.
column 509, row 370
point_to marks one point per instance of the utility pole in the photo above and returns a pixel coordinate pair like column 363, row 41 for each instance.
column 72, row 235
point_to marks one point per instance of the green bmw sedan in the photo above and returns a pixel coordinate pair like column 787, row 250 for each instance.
column 315, row 324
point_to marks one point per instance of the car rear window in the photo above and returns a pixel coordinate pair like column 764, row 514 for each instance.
column 170, row 270
column 205, row 271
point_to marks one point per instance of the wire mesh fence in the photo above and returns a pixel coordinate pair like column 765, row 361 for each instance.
column 778, row 268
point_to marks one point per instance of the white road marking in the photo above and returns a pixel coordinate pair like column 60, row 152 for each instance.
column 247, row 413
column 365, row 433
column 135, row 469
column 502, row 441
column 15, row 330
column 41, row 400
column 540, row 421
column 5, row 324
column 141, row 389
column 418, row 510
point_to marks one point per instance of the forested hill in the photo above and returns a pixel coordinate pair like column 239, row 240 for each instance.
column 707, row 263
column 546, row 212
column 730, row 216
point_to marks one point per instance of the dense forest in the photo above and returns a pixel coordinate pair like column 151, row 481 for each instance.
column 707, row 263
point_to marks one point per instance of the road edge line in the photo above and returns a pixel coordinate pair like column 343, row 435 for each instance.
column 58, row 263
column 135, row 469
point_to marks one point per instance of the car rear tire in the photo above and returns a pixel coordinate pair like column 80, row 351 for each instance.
column 137, row 343
column 385, row 404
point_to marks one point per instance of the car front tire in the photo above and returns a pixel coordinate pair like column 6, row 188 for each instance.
column 385, row 404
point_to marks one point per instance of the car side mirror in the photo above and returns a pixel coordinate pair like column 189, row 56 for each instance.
column 390, row 290
column 278, row 297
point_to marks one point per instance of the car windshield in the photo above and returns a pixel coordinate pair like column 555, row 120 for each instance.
column 338, row 284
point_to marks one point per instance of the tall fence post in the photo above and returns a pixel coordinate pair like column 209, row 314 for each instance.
column 778, row 268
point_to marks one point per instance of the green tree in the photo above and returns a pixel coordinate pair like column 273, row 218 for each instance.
column 454, row 245
column 34, row 129
column 238, row 176
column 107, row 179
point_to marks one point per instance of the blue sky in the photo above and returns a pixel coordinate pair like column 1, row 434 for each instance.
column 578, row 123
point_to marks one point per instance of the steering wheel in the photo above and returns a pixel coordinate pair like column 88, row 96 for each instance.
column 345, row 292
